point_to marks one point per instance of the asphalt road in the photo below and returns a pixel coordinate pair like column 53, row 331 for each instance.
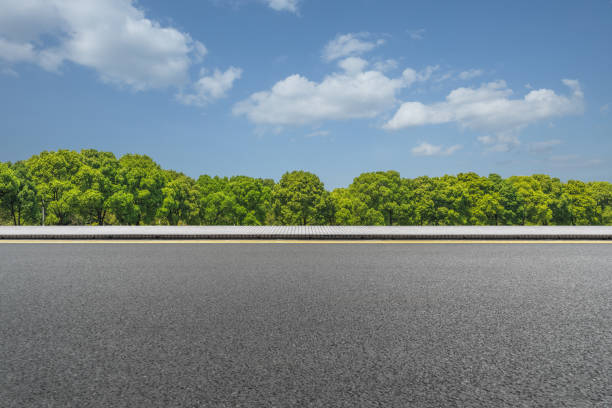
column 278, row 325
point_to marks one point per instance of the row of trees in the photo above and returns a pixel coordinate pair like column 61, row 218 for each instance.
column 95, row 188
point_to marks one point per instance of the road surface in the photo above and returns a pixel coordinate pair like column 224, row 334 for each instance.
column 342, row 325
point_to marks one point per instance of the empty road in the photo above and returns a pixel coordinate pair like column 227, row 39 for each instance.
column 305, row 325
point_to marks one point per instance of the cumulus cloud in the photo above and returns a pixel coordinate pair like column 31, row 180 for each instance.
column 113, row 37
column 353, row 65
column 426, row 149
column 22, row 21
column 351, row 93
column 353, row 44
column 211, row 87
column 386, row 65
column 284, row 5
column 469, row 74
column 490, row 108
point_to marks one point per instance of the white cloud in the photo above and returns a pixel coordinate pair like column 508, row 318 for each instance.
column 426, row 149
column 291, row 6
column 13, row 51
column 346, row 45
column 284, row 5
column 469, row 74
column 489, row 108
column 425, row 75
column 544, row 146
column 349, row 94
column 386, row 65
column 113, row 37
column 24, row 20
column 417, row 34
column 605, row 108
column 502, row 142
column 211, row 87
column 353, row 65
column 297, row 100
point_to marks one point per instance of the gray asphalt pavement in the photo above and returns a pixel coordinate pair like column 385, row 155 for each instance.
column 278, row 325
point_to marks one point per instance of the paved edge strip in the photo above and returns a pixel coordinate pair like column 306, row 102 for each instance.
column 315, row 237
column 321, row 242
column 307, row 233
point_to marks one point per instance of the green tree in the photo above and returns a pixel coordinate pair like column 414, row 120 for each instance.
column 52, row 174
column 601, row 192
column 180, row 203
column 419, row 207
column 96, row 180
column 581, row 206
column 298, row 198
column 252, row 195
column 24, row 209
column 380, row 191
column 94, row 187
column 9, row 191
column 220, row 208
column 534, row 204
column 350, row 210
column 144, row 179
column 123, row 208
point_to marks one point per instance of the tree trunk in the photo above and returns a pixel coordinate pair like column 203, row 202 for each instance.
column 13, row 211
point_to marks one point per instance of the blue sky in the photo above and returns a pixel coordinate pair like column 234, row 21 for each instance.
column 260, row 87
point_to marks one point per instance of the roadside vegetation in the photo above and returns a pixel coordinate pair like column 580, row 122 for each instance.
column 95, row 188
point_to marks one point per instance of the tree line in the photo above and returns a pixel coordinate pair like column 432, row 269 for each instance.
column 91, row 187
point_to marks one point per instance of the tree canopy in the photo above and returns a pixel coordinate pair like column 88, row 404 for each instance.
column 91, row 187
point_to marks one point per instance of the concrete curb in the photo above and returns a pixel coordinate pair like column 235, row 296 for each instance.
column 305, row 233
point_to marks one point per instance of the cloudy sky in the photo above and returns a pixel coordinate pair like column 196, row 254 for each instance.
column 340, row 87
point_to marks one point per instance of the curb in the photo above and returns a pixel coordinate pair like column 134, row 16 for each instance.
column 303, row 233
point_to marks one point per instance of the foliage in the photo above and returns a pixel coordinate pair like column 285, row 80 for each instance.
column 95, row 188
column 300, row 199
